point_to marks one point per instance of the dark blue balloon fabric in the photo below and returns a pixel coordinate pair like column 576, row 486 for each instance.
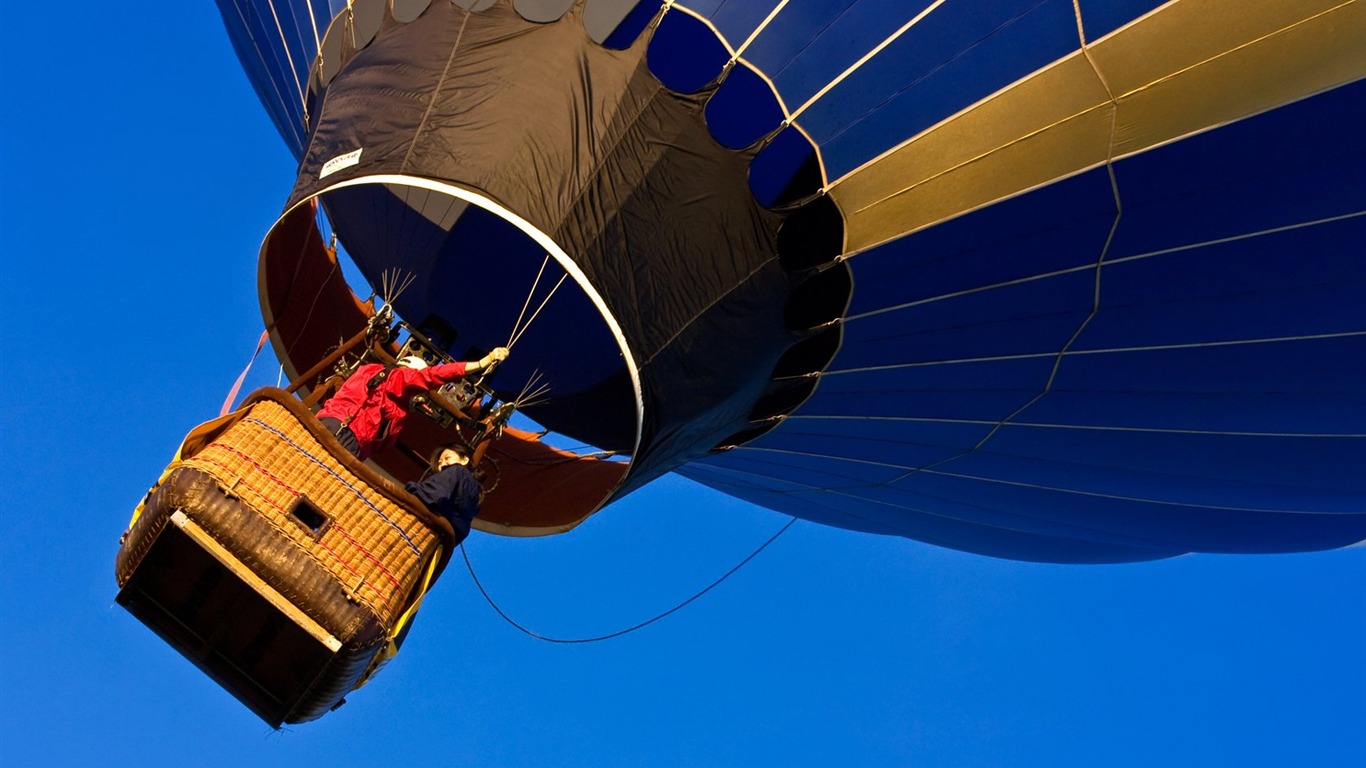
column 1163, row 354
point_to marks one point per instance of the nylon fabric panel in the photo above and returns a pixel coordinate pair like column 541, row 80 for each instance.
column 1200, row 299
column 1061, row 227
column 738, row 480
column 737, row 19
column 1309, row 164
column 743, row 110
column 1197, row 469
column 1184, row 467
column 934, row 498
column 807, row 45
column 884, row 439
column 1046, row 127
column 990, row 390
column 1157, row 525
column 815, row 471
column 262, row 72
column 1305, row 369
column 1251, row 413
column 905, row 450
column 937, row 520
column 754, row 489
column 945, row 63
column 267, row 37
column 1035, row 318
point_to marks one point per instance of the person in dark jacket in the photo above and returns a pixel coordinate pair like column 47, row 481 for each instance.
column 451, row 490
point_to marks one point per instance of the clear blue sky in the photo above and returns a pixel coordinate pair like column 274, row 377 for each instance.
column 139, row 174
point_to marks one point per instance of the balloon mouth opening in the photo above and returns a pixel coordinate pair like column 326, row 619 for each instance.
column 469, row 276
column 440, row 251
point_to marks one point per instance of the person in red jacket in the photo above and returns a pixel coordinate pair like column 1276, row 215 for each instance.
column 368, row 411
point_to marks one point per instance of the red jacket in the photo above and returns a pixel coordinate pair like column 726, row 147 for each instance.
column 376, row 415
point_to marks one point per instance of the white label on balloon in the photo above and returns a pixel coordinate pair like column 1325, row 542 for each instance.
column 339, row 162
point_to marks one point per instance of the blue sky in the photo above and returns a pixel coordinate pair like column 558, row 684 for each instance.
column 140, row 174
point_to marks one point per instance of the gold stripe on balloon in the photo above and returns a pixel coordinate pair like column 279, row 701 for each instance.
column 1189, row 66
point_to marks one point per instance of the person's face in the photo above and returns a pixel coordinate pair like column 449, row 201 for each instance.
column 450, row 456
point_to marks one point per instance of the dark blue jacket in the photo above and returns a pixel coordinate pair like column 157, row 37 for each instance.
column 452, row 493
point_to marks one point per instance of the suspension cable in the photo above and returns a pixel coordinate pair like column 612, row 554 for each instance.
column 537, row 313
column 527, row 303
column 620, row 632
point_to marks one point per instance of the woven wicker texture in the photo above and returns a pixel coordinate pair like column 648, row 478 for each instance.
column 372, row 546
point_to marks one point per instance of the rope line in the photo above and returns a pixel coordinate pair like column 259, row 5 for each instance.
column 527, row 303
column 620, row 632
column 537, row 313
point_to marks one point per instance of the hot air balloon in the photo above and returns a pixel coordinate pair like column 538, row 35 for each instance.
column 1074, row 281
column 1059, row 281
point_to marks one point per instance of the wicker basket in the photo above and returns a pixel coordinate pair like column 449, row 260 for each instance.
column 276, row 561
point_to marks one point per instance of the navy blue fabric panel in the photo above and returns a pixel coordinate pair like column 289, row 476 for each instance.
column 800, row 24
column 1281, row 377
column 1309, row 165
column 988, row 391
column 937, row 508
column 1287, row 473
column 955, row 57
column 937, row 521
column 1288, row 284
column 899, row 444
column 1312, row 310
column 1101, row 17
column 878, row 436
column 1273, row 413
column 717, row 473
column 242, row 30
column 809, row 44
column 813, row 471
column 743, row 109
column 632, row 25
column 1303, row 367
column 1164, row 525
column 1051, row 525
column 1315, row 386
column 947, row 497
column 1036, row 317
column 737, row 19
column 685, row 54
column 780, row 160
column 1062, row 226
column 262, row 57
column 815, row 507
column 369, row 219
column 276, row 46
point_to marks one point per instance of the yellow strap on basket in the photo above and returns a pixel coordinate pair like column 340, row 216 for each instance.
column 390, row 649
column 192, row 440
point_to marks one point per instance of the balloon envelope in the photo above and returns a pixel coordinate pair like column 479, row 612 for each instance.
column 1095, row 291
